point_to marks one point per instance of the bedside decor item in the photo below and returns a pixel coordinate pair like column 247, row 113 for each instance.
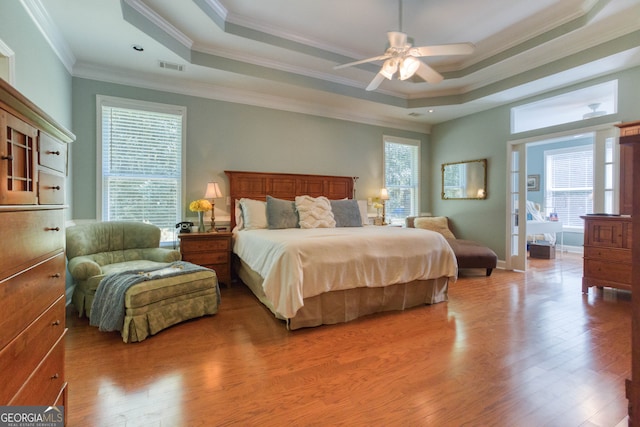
column 533, row 182
column 384, row 196
column 200, row 206
column 213, row 192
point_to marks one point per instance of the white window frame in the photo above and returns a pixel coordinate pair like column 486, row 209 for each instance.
column 109, row 101
column 416, row 199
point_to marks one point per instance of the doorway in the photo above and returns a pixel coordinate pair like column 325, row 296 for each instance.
column 542, row 170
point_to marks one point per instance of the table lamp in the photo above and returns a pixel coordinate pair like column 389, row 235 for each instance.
column 384, row 196
column 213, row 192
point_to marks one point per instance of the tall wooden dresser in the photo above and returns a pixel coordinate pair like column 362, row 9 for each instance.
column 630, row 142
column 33, row 167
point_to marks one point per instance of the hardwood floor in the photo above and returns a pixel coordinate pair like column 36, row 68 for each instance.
column 513, row 349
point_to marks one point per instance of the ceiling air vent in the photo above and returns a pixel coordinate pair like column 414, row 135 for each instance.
column 171, row 66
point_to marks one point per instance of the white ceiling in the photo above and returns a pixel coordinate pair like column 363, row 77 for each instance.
column 281, row 53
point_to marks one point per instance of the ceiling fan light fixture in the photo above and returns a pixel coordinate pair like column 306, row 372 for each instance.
column 408, row 67
column 389, row 68
column 397, row 39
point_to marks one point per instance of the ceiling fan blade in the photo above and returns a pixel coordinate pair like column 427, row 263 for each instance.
column 443, row 50
column 375, row 82
column 362, row 61
column 428, row 74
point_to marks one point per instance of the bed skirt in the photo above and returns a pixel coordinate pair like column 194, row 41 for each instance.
column 346, row 305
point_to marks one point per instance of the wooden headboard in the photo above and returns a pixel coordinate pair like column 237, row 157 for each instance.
column 257, row 185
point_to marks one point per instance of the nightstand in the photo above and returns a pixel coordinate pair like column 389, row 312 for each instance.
column 211, row 250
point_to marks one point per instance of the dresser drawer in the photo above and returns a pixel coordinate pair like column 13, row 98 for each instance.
column 609, row 233
column 608, row 254
column 50, row 189
column 25, row 296
column 52, row 153
column 607, row 271
column 46, row 382
column 29, row 236
column 204, row 258
column 202, row 245
column 24, row 353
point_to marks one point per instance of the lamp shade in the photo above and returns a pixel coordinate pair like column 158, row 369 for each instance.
column 213, row 191
column 384, row 194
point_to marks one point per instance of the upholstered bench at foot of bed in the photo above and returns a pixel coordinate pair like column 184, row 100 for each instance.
column 472, row 254
column 469, row 254
column 155, row 305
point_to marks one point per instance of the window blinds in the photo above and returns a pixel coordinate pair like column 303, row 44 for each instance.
column 401, row 180
column 141, row 167
column 569, row 190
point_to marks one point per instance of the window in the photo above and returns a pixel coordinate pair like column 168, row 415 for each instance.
column 569, row 184
column 401, row 178
column 140, row 162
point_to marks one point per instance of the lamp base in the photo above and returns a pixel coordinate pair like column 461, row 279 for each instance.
column 213, row 218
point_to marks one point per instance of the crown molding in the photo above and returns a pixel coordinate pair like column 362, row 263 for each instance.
column 245, row 97
column 160, row 22
column 50, row 32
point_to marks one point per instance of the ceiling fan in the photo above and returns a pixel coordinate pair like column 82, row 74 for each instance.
column 401, row 57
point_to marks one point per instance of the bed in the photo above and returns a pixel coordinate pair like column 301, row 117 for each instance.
column 310, row 277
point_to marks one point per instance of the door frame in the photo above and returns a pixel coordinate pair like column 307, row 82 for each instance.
column 515, row 257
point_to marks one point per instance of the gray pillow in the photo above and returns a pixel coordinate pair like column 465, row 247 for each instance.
column 346, row 213
column 281, row 214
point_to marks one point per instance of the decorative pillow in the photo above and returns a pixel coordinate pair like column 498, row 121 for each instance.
column 439, row 224
column 238, row 215
column 315, row 212
column 254, row 214
column 346, row 213
column 364, row 210
column 281, row 213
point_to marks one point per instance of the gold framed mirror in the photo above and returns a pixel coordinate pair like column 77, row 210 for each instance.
column 464, row 180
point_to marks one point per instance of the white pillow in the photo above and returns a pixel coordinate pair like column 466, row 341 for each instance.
column 238, row 215
column 254, row 214
column 364, row 211
column 315, row 212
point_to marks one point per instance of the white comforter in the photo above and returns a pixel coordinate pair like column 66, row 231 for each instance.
column 299, row 263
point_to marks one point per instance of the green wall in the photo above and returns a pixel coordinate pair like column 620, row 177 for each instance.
column 227, row 136
column 40, row 75
column 486, row 135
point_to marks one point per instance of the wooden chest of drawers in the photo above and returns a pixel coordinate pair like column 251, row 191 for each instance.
column 33, row 169
column 607, row 252
column 211, row 250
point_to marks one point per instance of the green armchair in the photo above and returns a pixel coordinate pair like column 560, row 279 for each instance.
column 97, row 249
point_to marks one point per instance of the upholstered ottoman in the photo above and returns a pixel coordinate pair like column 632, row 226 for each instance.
column 155, row 305
column 472, row 254
column 469, row 254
